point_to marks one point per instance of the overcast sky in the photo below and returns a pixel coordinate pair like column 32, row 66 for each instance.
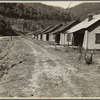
column 63, row 4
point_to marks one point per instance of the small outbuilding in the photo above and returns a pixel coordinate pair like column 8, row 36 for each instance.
column 87, row 33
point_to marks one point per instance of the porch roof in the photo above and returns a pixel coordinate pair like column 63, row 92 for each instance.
column 38, row 32
column 84, row 24
column 65, row 27
column 41, row 32
column 32, row 33
column 46, row 30
column 53, row 29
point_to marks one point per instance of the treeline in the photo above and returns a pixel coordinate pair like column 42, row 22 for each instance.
column 6, row 29
column 34, row 11
column 82, row 10
column 33, row 16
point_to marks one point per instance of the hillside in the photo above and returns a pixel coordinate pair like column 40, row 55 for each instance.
column 33, row 16
column 44, row 8
column 36, row 16
column 82, row 10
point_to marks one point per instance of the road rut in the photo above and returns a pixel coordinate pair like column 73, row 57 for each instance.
column 55, row 71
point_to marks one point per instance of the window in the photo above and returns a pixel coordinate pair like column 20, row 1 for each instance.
column 97, row 39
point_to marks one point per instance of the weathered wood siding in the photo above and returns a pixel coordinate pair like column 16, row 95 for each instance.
column 44, row 37
column 51, row 38
column 91, row 36
column 64, row 39
column 39, row 37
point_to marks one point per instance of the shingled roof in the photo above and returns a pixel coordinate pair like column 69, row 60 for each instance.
column 84, row 24
column 42, row 31
column 38, row 32
column 53, row 29
column 66, row 27
column 46, row 29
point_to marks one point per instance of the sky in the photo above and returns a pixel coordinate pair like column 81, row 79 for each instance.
column 63, row 4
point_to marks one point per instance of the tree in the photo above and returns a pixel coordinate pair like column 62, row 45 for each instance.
column 24, row 26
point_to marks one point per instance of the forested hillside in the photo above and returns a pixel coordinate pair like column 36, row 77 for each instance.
column 36, row 16
column 33, row 16
column 82, row 10
column 36, row 11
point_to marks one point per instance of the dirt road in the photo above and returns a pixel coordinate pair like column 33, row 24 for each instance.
column 43, row 74
column 50, row 75
column 53, row 77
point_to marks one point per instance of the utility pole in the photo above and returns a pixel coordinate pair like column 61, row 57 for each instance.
column 11, row 31
column 67, row 33
column 9, row 26
column 68, row 6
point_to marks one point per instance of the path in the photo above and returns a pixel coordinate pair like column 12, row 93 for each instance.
column 51, row 74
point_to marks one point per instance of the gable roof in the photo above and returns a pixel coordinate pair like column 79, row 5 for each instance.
column 84, row 24
column 46, row 29
column 53, row 29
column 42, row 31
column 38, row 32
column 66, row 27
column 32, row 33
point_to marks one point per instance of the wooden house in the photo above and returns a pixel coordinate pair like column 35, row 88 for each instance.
column 50, row 37
column 40, row 34
column 33, row 34
column 44, row 35
column 36, row 34
column 61, row 36
column 39, row 37
column 87, row 33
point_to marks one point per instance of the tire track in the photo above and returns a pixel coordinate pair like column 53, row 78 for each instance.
column 50, row 71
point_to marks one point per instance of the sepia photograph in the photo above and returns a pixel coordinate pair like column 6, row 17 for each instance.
column 49, row 49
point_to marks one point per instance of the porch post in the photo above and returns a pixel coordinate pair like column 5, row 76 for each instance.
column 87, row 35
column 68, row 39
column 64, row 39
column 73, row 40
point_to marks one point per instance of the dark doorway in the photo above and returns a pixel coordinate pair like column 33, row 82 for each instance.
column 57, row 38
column 47, row 37
column 41, row 36
column 78, row 39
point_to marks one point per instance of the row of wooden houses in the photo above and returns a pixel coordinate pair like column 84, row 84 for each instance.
column 85, row 34
column 56, row 34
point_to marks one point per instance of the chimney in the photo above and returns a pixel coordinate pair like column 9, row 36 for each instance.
column 90, row 17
